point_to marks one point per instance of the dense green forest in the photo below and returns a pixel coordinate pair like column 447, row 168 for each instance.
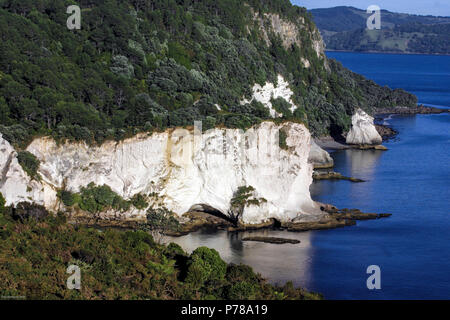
column 344, row 28
column 147, row 65
column 36, row 248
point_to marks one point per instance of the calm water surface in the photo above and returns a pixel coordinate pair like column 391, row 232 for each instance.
column 410, row 180
column 427, row 76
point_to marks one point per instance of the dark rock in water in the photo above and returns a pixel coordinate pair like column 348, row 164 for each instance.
column 323, row 224
column 331, row 175
column 385, row 132
column 335, row 219
column 368, row 147
column 274, row 240
column 355, row 214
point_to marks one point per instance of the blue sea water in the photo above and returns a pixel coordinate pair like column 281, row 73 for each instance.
column 427, row 76
column 410, row 180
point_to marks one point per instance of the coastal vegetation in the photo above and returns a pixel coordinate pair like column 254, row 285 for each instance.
column 148, row 65
column 116, row 264
column 94, row 199
column 29, row 163
column 244, row 196
column 143, row 66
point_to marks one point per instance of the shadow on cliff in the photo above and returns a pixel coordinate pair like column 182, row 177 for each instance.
column 212, row 211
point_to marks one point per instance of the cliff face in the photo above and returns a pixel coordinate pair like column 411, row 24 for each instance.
column 15, row 185
column 183, row 167
column 289, row 34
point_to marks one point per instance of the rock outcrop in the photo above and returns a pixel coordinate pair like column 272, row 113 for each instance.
column 15, row 185
column 185, row 168
column 319, row 157
column 264, row 94
column 289, row 34
column 363, row 131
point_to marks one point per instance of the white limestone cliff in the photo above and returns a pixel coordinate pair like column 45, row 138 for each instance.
column 185, row 169
column 264, row 94
column 15, row 185
column 319, row 157
column 363, row 131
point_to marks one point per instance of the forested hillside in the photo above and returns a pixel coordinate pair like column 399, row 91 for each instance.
column 344, row 28
column 147, row 65
column 36, row 248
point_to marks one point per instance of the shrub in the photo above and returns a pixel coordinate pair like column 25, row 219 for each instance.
column 26, row 210
column 282, row 106
column 2, row 204
column 67, row 198
column 29, row 163
column 98, row 198
column 243, row 290
column 16, row 134
column 237, row 273
column 161, row 220
column 282, row 136
column 139, row 202
column 205, row 265
column 122, row 67
column 241, row 198
column 174, row 250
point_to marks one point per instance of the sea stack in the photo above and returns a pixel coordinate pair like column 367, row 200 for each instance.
column 363, row 131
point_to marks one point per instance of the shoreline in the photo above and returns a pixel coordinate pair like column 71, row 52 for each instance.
column 390, row 52
column 332, row 218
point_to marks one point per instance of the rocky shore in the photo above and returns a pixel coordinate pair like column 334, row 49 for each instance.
column 332, row 175
column 331, row 218
column 386, row 132
column 273, row 240
column 335, row 219
column 421, row 109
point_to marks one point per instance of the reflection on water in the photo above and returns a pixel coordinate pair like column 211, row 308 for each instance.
column 412, row 247
column 277, row 262
column 289, row 262
column 361, row 164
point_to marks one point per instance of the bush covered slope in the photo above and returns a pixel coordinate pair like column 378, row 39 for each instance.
column 344, row 28
column 36, row 250
column 146, row 65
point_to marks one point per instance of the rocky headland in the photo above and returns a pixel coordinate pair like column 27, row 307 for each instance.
column 195, row 175
column 420, row 109
column 332, row 175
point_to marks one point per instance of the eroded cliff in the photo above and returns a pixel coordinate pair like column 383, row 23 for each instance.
column 184, row 168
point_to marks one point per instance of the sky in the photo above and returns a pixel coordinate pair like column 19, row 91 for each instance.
column 421, row 7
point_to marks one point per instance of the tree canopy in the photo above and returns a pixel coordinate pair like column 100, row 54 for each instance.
column 147, row 65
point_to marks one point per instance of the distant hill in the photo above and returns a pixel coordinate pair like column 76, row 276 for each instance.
column 344, row 28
